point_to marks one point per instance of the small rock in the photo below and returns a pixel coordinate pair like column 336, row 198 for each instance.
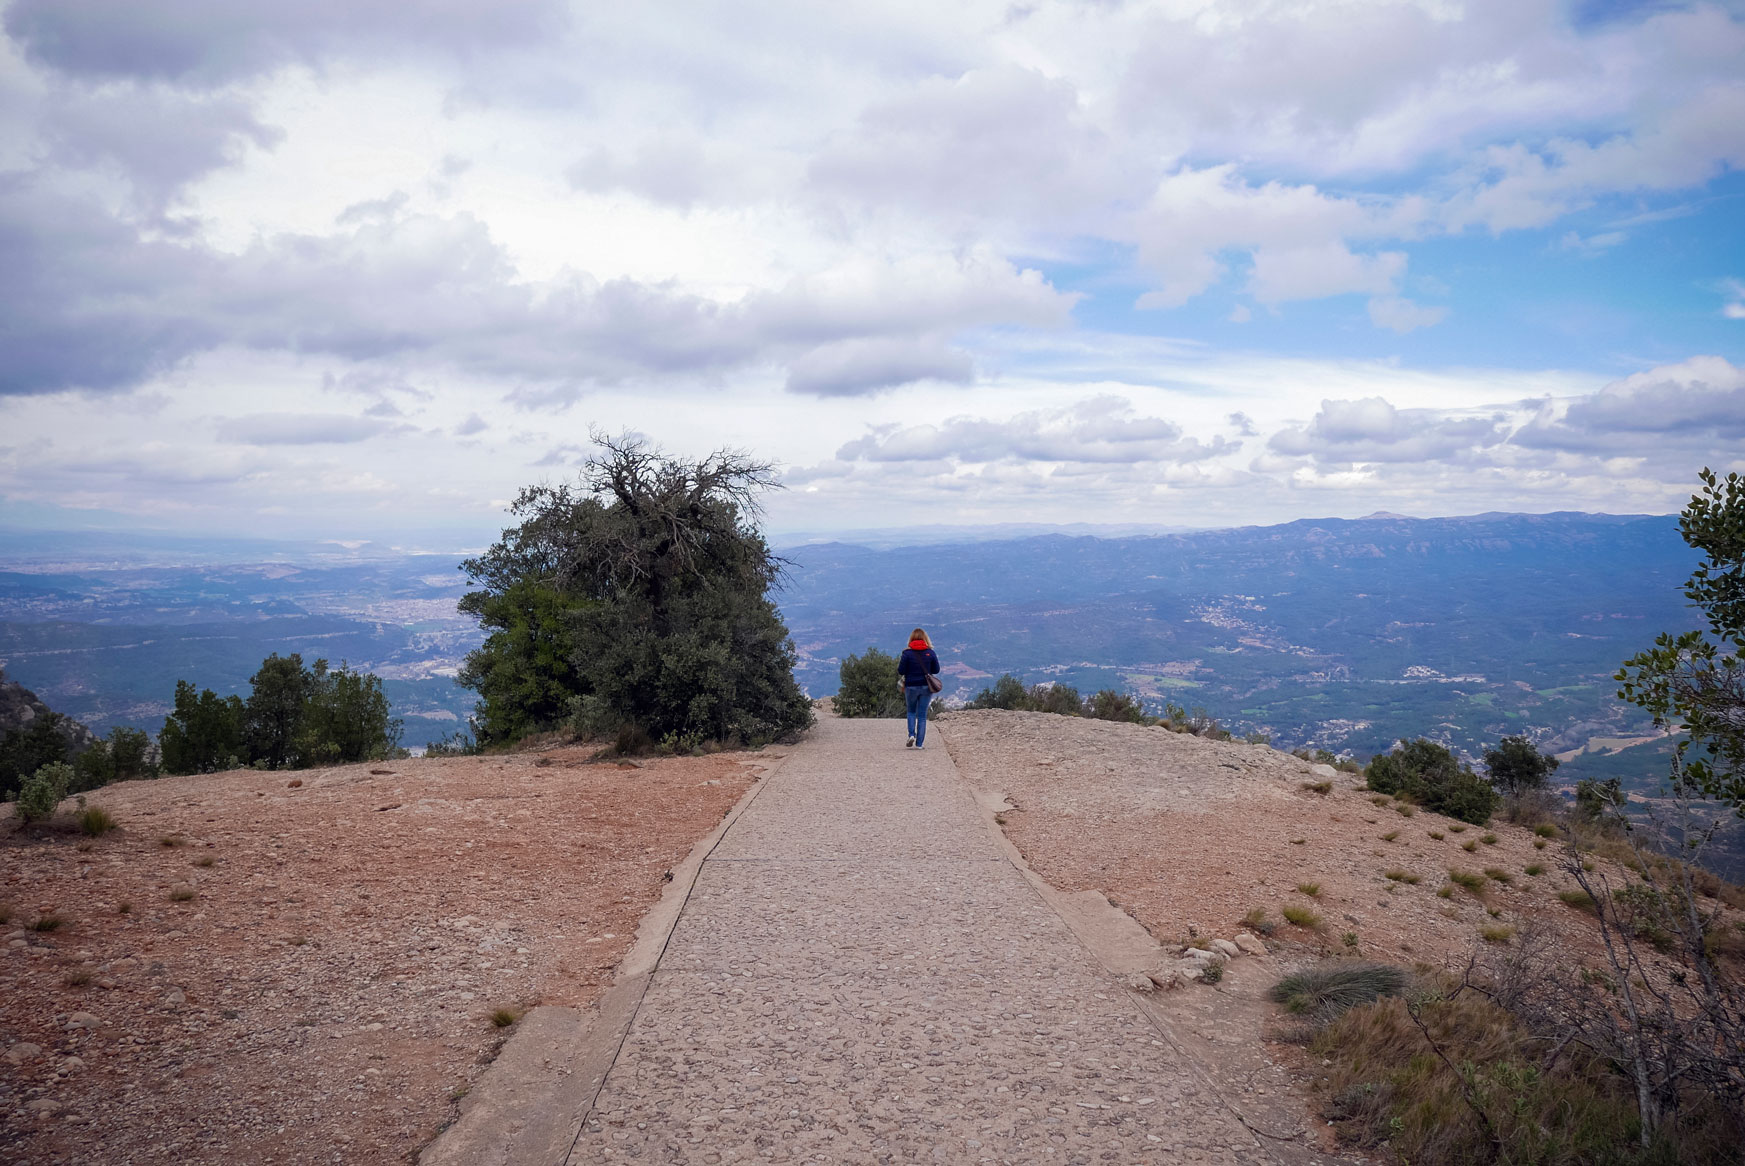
column 1199, row 953
column 83, row 1020
column 1323, row 771
column 23, row 1051
column 43, row 1105
column 1139, row 983
column 1168, row 978
column 70, row 1063
column 1228, row 948
column 1250, row 944
column 175, row 996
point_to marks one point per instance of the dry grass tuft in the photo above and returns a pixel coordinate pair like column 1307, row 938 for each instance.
column 1301, row 917
column 1313, row 890
column 1402, row 876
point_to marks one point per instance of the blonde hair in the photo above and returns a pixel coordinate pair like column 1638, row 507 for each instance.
column 921, row 634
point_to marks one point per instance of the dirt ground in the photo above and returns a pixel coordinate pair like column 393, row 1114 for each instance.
column 1189, row 835
column 302, row 967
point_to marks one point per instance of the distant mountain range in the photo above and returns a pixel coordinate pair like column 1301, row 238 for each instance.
column 1345, row 634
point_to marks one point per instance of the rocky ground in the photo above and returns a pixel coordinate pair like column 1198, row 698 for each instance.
column 1190, row 835
column 303, row 967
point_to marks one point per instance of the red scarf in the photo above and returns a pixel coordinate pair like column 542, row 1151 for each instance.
column 919, row 645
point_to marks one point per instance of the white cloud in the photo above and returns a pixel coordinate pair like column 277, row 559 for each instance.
column 298, row 429
column 1401, row 315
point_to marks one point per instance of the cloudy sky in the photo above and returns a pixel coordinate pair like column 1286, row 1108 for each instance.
column 361, row 268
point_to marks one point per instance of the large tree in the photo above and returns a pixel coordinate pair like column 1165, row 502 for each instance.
column 1697, row 680
column 638, row 598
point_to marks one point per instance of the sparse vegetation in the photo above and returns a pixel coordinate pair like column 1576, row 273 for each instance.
column 1301, row 917
column 1469, row 846
column 1457, row 829
column 1008, row 692
column 1390, row 836
column 1405, row 809
column 1437, row 835
column 1212, row 972
column 1535, row 869
column 1445, row 891
column 1579, row 899
column 124, row 908
column 1313, row 890
column 48, row 922
column 1318, row 787
column 504, row 1017
column 1349, row 939
column 1545, row 830
column 170, row 841
column 77, row 978
column 1496, row 874
column 205, row 860
column 1501, row 933
column 96, row 821
column 1256, row 920
column 181, row 894
column 1489, row 839
column 1465, row 878
column 1538, row 844
column 1402, row 876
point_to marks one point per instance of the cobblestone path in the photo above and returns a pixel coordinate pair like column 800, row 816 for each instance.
column 859, row 975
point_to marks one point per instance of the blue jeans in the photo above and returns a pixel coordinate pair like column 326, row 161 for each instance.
column 916, row 697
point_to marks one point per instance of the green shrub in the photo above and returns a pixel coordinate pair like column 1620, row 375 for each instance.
column 43, row 791
column 1515, row 767
column 1061, row 699
column 1313, row 890
column 1327, row 990
column 1301, row 917
column 1108, row 705
column 1496, row 874
column 868, row 686
column 1008, row 692
column 1429, row 774
column 1545, row 830
column 46, row 740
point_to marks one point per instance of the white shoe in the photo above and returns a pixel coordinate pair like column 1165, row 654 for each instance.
column 921, row 746
column 911, row 744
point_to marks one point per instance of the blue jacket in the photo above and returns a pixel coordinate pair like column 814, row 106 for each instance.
column 914, row 667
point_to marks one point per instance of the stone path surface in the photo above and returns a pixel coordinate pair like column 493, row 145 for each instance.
column 860, row 975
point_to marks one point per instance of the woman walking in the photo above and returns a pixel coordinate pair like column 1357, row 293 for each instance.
column 918, row 666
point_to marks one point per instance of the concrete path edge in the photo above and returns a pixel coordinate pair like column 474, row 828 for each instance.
column 531, row 1103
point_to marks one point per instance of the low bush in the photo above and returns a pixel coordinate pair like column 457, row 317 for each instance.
column 1496, row 874
column 43, row 791
column 1535, row 869
column 1545, row 830
column 1313, row 890
column 1429, row 774
column 1489, row 839
column 1484, row 1095
column 1327, row 990
column 1390, row 836
column 1470, row 845
column 1402, row 876
column 1499, row 934
column 1301, row 917
column 1318, row 787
